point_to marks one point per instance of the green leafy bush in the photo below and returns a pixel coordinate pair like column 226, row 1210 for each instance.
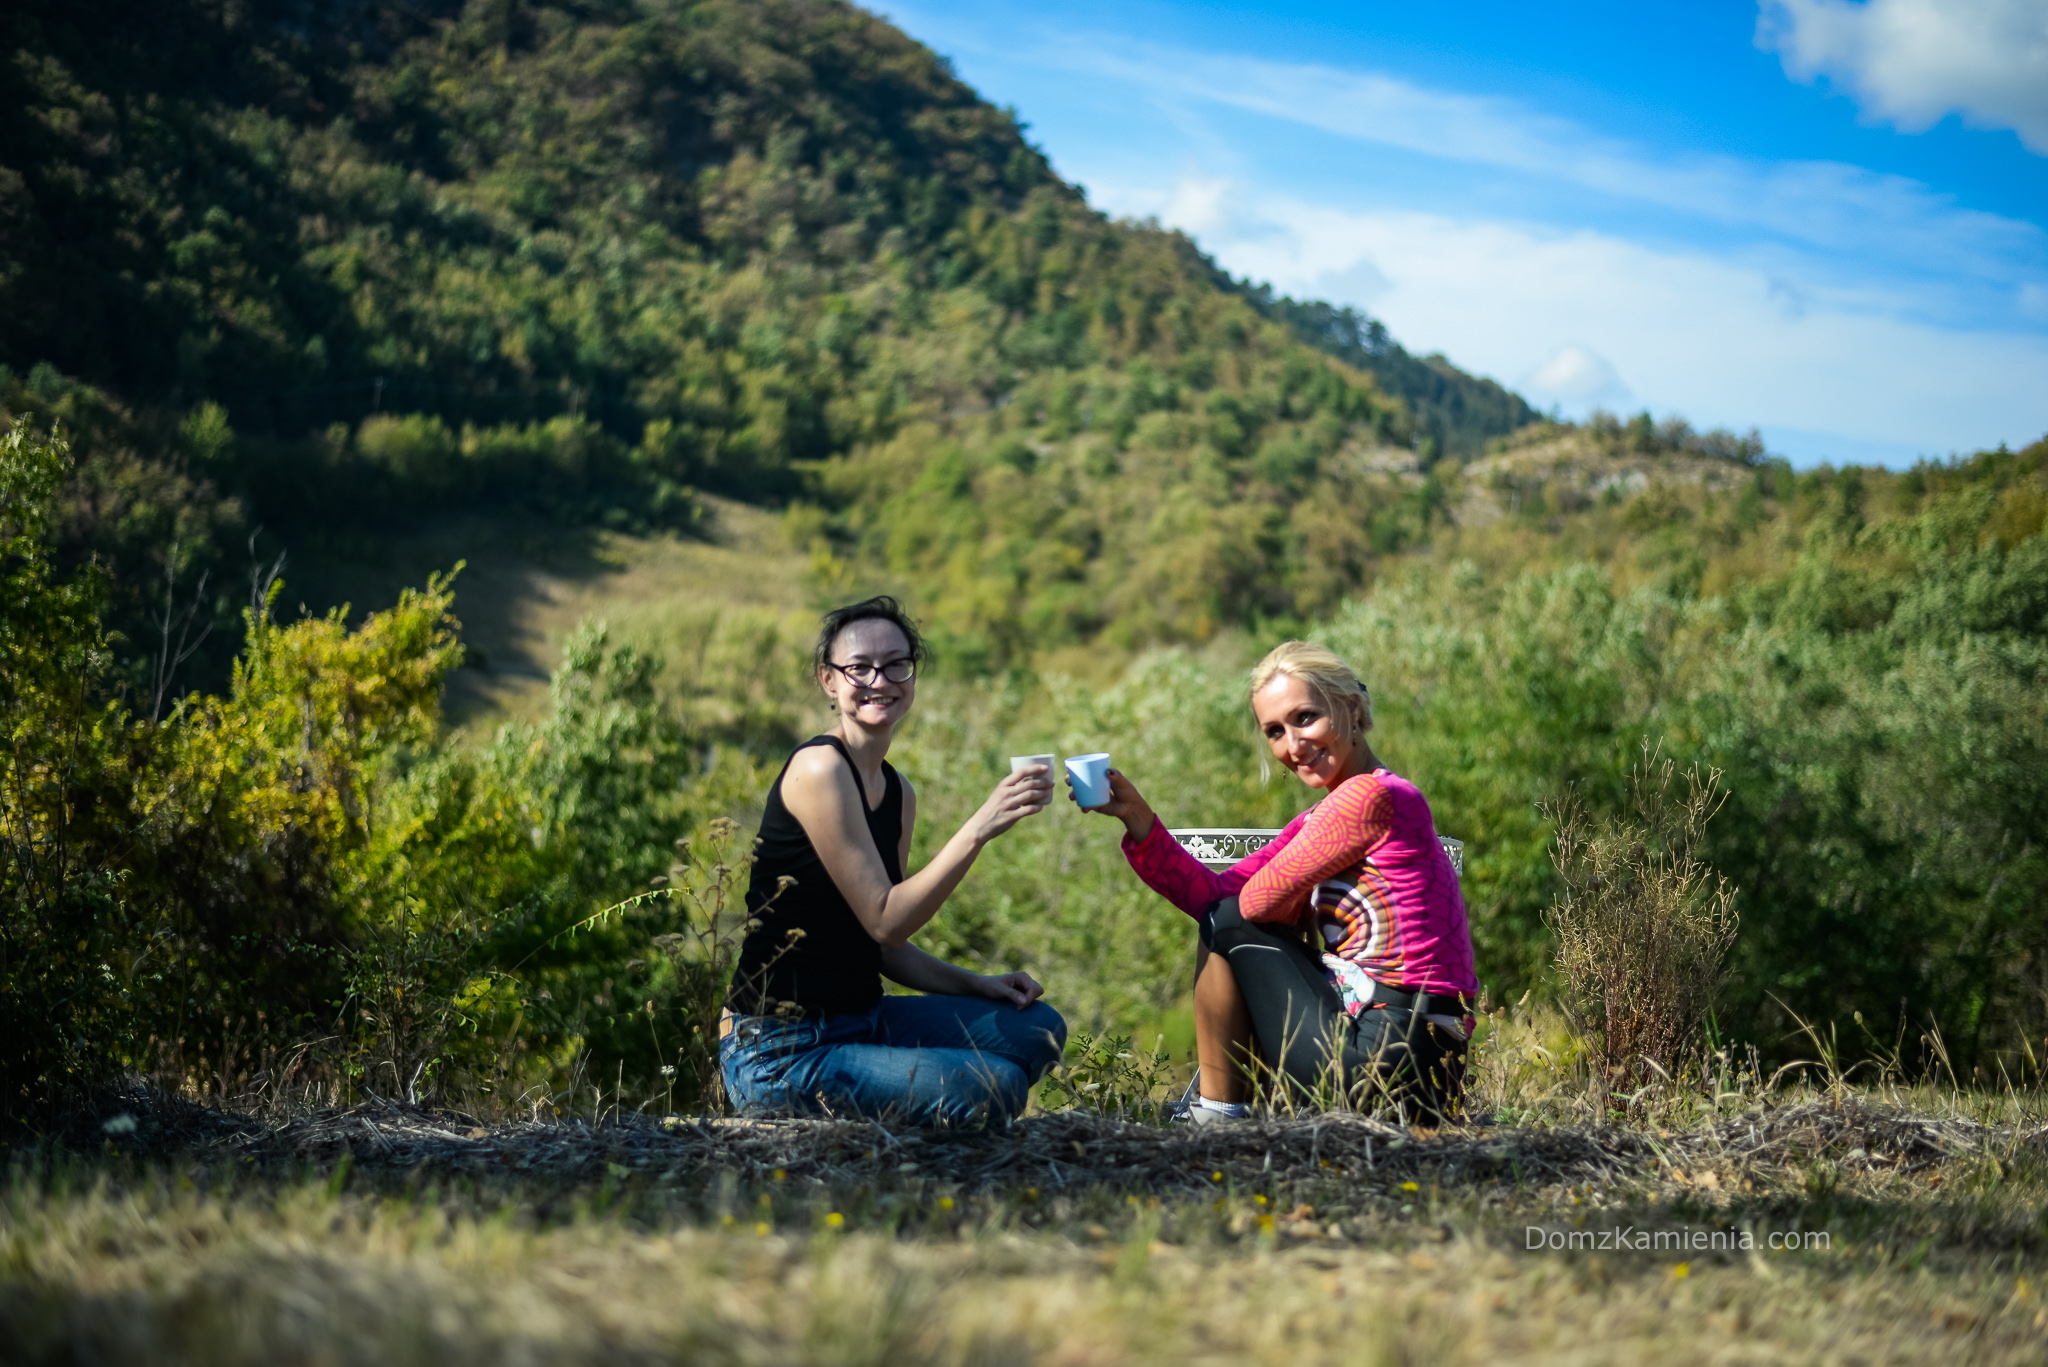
column 303, row 876
column 71, row 933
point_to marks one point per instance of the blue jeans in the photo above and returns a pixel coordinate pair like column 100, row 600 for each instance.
column 916, row 1060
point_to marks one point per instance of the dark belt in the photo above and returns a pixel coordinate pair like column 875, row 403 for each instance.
column 1427, row 1003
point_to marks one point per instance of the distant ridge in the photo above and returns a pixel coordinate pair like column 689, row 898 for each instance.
column 1454, row 413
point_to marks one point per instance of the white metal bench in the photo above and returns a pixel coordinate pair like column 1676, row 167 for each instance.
column 1218, row 847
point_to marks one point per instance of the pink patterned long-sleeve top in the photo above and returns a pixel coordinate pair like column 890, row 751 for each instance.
column 1365, row 863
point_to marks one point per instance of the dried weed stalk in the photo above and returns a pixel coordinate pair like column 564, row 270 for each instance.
column 710, row 882
column 706, row 887
column 1643, row 926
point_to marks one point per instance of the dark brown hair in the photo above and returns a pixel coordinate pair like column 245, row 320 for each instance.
column 881, row 608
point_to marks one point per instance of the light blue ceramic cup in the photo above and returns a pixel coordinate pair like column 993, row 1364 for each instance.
column 1090, row 776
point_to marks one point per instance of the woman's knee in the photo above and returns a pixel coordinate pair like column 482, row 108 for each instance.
column 1011, row 1092
column 1222, row 925
column 1042, row 1034
column 1422, row 1075
column 965, row 1094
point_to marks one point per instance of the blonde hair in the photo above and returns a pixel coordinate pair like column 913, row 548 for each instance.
column 1326, row 674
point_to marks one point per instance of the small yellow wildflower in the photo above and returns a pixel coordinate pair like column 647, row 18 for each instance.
column 1410, row 1186
column 761, row 1228
column 1682, row 1270
column 835, row 1220
column 945, row 1203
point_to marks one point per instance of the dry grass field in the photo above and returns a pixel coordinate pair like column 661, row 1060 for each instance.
column 1796, row 1223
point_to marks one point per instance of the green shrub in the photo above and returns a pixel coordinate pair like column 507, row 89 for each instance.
column 416, row 452
column 72, row 935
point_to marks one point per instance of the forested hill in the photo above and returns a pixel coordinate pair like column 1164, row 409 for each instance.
column 335, row 265
column 499, row 207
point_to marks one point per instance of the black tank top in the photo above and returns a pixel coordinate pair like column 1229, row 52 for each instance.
column 835, row 967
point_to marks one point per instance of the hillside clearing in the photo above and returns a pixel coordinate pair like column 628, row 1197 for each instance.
column 525, row 586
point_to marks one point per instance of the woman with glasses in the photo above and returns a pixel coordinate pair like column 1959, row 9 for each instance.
column 807, row 1028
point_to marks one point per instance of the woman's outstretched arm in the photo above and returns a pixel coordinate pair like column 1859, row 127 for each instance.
column 819, row 791
column 1164, row 866
column 921, row 971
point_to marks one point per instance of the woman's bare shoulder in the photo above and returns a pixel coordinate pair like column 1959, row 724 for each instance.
column 816, row 770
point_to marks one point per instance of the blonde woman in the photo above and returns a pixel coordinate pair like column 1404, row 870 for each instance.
column 1341, row 950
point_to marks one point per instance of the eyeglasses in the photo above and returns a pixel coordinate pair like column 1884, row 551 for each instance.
column 900, row 670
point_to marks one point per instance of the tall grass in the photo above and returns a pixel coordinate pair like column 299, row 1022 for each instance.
column 1643, row 925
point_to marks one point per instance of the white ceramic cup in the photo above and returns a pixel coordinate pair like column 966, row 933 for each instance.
column 1090, row 777
column 1026, row 761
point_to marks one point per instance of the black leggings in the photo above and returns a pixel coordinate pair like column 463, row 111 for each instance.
column 1305, row 1036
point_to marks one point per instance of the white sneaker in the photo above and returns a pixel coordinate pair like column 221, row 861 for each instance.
column 1201, row 1114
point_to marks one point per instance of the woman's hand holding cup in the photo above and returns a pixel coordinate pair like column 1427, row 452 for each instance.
column 1026, row 791
column 1125, row 803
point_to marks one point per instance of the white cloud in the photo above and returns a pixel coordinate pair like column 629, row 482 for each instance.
column 1713, row 338
column 1827, row 205
column 1362, row 283
column 1199, row 205
column 1214, row 206
column 1913, row 62
column 1576, row 375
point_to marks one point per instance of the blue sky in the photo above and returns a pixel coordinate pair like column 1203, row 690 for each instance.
column 1822, row 218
